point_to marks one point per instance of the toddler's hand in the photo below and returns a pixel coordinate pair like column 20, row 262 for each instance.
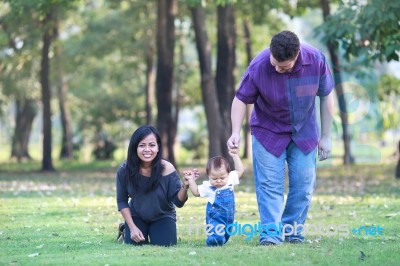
column 233, row 151
column 196, row 173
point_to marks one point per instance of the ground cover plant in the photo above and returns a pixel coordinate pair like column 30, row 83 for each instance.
column 70, row 217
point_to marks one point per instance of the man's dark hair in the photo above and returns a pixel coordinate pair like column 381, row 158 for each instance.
column 284, row 46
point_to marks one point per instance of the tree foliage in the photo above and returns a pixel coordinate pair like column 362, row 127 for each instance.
column 105, row 44
column 106, row 65
column 367, row 30
column 389, row 94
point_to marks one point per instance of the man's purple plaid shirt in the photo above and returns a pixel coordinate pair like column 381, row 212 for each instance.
column 284, row 104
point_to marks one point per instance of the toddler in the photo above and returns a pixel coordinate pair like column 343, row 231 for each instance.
column 218, row 190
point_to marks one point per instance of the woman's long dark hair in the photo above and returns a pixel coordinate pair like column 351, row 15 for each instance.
column 133, row 161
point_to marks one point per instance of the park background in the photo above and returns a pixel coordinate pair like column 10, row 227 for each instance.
column 78, row 77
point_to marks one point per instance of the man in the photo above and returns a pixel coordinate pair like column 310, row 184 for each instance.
column 282, row 82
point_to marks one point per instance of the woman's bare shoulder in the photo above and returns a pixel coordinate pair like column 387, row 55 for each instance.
column 169, row 168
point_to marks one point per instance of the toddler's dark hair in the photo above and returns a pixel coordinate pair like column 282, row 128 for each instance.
column 216, row 163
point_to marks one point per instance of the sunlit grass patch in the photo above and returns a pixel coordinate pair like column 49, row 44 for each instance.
column 70, row 217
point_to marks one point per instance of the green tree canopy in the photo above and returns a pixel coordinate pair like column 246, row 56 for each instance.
column 367, row 30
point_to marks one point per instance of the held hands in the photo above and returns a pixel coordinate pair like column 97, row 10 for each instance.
column 233, row 145
column 324, row 148
column 191, row 175
column 233, row 141
column 233, row 151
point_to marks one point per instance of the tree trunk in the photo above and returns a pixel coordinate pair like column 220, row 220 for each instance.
column 332, row 48
column 226, row 62
column 150, row 70
column 26, row 111
column 249, row 108
column 165, row 75
column 47, row 162
column 180, row 77
column 397, row 174
column 149, row 84
column 208, row 88
column 62, row 88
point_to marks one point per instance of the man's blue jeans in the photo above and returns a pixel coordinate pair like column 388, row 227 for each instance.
column 269, row 177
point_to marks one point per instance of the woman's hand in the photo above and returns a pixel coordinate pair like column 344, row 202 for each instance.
column 136, row 234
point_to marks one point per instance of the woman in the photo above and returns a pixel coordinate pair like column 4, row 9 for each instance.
column 148, row 187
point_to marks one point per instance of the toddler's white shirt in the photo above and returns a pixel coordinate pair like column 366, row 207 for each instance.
column 205, row 190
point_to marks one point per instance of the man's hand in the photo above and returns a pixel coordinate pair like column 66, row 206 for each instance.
column 233, row 141
column 324, row 148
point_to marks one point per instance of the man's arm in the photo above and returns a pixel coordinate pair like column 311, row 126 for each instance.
column 326, row 113
column 238, row 111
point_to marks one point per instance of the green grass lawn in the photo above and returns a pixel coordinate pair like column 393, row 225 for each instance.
column 70, row 218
